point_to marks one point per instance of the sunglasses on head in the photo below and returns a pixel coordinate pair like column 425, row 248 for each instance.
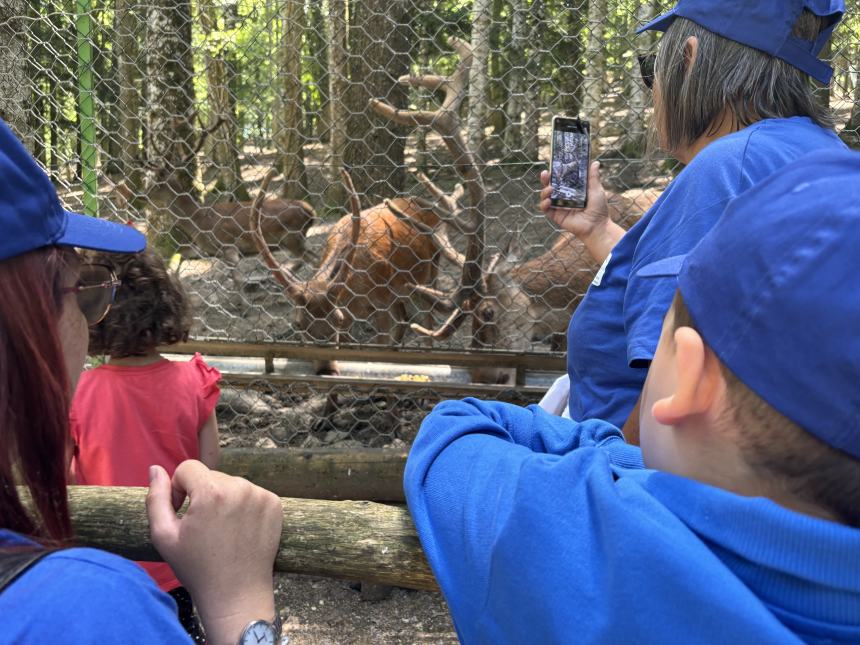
column 95, row 291
column 647, row 63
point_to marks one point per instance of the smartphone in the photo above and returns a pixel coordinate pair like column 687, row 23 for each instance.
column 571, row 148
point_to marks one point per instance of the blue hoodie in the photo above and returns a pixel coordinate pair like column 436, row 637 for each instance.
column 543, row 530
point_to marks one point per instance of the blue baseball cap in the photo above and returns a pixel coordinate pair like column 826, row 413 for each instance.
column 763, row 24
column 774, row 289
column 31, row 215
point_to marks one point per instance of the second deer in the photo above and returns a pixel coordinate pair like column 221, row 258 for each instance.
column 222, row 229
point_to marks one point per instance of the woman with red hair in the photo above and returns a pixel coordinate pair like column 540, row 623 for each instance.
column 223, row 547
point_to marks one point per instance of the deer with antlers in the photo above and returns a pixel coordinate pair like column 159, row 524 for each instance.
column 223, row 228
column 370, row 267
column 508, row 303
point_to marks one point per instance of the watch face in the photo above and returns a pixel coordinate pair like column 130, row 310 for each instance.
column 259, row 633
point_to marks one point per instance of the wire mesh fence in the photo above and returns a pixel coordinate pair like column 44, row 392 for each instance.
column 169, row 113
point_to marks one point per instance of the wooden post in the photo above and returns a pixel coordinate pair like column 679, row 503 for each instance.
column 358, row 474
column 348, row 540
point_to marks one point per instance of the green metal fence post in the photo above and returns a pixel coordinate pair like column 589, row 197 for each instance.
column 86, row 118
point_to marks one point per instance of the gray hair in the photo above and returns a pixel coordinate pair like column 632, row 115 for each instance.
column 725, row 74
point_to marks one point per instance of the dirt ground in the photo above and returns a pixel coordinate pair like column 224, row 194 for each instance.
column 321, row 611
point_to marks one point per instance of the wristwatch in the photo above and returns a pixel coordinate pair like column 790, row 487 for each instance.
column 262, row 632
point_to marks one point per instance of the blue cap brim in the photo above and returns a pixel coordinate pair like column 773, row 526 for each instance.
column 665, row 268
column 660, row 23
column 100, row 235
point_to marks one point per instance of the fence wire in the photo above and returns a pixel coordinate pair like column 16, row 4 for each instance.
column 170, row 112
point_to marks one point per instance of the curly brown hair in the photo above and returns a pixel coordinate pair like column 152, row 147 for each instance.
column 151, row 307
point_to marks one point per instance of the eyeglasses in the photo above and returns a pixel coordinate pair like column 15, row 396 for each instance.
column 647, row 63
column 95, row 291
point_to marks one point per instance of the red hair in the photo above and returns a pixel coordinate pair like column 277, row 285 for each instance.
column 34, row 397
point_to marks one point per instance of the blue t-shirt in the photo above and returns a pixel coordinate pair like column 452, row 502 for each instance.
column 614, row 332
column 542, row 530
column 85, row 596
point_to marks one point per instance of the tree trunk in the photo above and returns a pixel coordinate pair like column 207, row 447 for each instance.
column 288, row 122
column 478, row 79
column 221, row 144
column 348, row 540
column 14, row 81
column 170, row 87
column 595, row 69
column 513, row 135
column 318, row 50
column 570, row 81
column 531, row 105
column 379, row 54
column 497, row 83
column 128, row 30
column 338, row 85
column 171, row 134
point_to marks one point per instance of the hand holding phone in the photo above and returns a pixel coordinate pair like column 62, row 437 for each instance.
column 569, row 162
column 580, row 207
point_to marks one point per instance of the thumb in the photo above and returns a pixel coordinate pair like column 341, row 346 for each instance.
column 594, row 177
column 163, row 523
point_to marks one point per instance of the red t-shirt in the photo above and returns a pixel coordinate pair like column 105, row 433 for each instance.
column 125, row 419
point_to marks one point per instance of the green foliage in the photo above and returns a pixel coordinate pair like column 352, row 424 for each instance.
column 247, row 32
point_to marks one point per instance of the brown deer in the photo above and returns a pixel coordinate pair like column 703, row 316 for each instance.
column 509, row 304
column 223, row 228
column 371, row 261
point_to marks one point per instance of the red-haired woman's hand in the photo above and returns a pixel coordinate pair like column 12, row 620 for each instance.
column 223, row 548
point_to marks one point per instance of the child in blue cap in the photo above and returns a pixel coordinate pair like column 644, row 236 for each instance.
column 738, row 521
column 223, row 547
column 733, row 102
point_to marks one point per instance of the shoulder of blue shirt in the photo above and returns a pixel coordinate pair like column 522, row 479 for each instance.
column 86, row 595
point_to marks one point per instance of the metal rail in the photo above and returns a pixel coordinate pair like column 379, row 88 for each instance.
column 520, row 361
column 300, row 384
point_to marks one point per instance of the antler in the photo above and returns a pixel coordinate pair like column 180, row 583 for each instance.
column 446, row 121
column 450, row 203
column 355, row 207
column 161, row 153
column 337, row 264
column 283, row 275
column 201, row 139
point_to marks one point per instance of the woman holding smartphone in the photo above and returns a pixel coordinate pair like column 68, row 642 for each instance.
column 733, row 101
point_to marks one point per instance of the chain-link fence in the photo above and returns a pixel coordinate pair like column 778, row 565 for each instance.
column 171, row 112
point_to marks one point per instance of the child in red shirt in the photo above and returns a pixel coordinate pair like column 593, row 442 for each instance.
column 140, row 408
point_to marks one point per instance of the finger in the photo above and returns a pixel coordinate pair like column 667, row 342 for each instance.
column 546, row 206
column 544, row 177
column 163, row 523
column 546, row 193
column 594, row 177
column 188, row 477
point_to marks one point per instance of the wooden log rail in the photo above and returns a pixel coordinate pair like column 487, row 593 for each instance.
column 521, row 361
column 330, row 474
column 348, row 540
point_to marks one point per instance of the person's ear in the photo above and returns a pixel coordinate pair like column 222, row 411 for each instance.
column 697, row 377
column 691, row 51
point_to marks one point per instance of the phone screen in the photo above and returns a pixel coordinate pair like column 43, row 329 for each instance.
column 570, row 152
